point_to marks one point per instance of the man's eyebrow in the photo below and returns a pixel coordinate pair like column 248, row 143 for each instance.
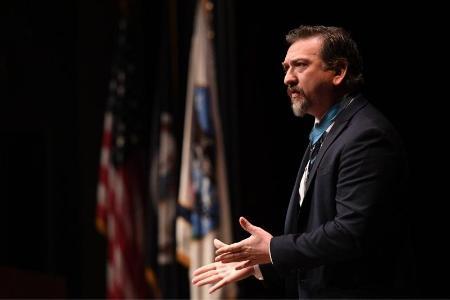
column 299, row 60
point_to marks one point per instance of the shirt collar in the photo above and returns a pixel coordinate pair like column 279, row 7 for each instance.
column 320, row 127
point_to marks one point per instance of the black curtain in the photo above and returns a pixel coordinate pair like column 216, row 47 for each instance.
column 55, row 59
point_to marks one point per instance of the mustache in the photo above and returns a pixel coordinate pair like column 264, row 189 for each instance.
column 294, row 89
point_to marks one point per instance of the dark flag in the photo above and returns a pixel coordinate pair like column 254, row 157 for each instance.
column 161, row 263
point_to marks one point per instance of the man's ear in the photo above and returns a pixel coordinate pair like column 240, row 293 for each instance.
column 340, row 71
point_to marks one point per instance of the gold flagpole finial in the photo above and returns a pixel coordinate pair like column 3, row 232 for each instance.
column 209, row 6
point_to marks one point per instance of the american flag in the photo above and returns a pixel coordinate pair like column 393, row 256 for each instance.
column 121, row 186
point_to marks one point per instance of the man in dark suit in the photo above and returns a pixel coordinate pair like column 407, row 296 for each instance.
column 346, row 230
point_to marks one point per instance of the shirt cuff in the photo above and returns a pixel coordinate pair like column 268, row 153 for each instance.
column 270, row 254
column 257, row 272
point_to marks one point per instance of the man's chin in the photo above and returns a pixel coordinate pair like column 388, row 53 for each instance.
column 298, row 112
column 297, row 108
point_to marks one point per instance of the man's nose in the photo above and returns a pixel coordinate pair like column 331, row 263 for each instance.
column 290, row 79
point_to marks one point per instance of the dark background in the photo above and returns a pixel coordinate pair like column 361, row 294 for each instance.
column 55, row 59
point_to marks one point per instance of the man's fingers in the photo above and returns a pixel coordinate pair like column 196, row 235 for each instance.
column 245, row 264
column 221, row 256
column 242, row 265
column 218, row 243
column 209, row 280
column 232, row 257
column 205, row 268
column 231, row 260
column 236, row 247
column 202, row 276
column 218, row 285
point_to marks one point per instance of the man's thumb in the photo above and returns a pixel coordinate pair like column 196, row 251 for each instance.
column 246, row 225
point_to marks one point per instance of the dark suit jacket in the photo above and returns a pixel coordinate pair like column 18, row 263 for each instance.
column 350, row 237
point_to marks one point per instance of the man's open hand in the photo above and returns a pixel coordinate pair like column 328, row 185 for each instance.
column 254, row 250
column 219, row 273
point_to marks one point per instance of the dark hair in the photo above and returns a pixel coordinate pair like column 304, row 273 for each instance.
column 337, row 46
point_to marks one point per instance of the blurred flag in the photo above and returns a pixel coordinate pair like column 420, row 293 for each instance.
column 121, row 187
column 203, row 195
column 164, row 164
column 163, row 192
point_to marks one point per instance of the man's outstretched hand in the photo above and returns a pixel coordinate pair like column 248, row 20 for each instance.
column 220, row 273
column 254, row 250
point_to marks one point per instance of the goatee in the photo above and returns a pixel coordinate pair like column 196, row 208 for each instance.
column 299, row 107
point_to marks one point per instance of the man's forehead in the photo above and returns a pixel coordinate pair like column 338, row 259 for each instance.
column 304, row 48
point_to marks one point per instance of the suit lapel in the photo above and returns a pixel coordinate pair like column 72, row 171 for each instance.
column 339, row 125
